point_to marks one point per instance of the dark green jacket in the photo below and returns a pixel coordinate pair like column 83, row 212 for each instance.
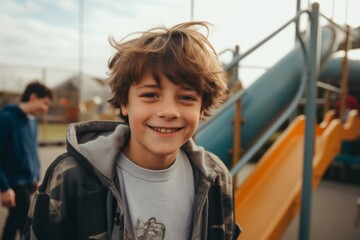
column 80, row 197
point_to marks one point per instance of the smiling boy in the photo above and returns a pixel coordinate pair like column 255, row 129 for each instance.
column 144, row 178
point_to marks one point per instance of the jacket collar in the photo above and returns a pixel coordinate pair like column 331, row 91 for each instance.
column 99, row 143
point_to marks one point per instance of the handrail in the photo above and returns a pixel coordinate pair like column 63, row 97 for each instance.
column 334, row 23
column 239, row 57
column 254, row 67
column 224, row 51
column 328, row 87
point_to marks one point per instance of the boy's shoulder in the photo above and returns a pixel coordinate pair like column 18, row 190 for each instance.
column 220, row 165
column 9, row 110
column 65, row 170
column 206, row 161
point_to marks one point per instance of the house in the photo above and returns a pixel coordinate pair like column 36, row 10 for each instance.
column 76, row 100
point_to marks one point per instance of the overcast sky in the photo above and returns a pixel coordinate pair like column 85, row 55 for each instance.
column 45, row 33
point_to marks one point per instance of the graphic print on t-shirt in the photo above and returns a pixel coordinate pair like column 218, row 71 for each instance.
column 149, row 230
column 149, row 197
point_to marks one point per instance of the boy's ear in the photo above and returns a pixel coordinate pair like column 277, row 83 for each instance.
column 202, row 114
column 123, row 109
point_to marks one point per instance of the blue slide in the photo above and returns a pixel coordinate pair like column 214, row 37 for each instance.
column 333, row 69
column 264, row 100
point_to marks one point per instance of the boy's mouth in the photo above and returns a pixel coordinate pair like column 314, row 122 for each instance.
column 165, row 130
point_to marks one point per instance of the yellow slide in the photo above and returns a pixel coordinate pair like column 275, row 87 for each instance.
column 270, row 197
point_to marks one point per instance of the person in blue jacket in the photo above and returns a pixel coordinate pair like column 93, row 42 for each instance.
column 19, row 159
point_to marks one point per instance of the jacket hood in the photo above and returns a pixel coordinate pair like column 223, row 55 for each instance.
column 99, row 144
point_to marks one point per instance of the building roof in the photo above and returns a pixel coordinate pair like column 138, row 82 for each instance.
column 91, row 87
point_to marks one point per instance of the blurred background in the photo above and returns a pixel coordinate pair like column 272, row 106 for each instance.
column 64, row 44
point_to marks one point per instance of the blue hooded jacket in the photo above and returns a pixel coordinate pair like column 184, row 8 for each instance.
column 19, row 158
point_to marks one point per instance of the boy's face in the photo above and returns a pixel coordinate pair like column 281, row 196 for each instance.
column 161, row 118
column 38, row 105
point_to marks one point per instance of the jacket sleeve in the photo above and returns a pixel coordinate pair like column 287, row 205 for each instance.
column 70, row 204
column 222, row 222
column 49, row 213
column 4, row 137
column 236, row 227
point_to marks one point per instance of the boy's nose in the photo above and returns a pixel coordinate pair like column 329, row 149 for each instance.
column 168, row 110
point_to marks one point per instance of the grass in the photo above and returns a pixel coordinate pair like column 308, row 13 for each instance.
column 52, row 132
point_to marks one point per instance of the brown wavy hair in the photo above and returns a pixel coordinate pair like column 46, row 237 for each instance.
column 181, row 54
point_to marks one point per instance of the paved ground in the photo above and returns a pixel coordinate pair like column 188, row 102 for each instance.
column 333, row 207
column 333, row 213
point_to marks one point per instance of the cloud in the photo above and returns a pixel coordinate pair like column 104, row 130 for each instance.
column 46, row 33
column 16, row 7
column 69, row 6
column 34, row 38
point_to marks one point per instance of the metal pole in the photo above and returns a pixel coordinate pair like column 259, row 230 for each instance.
column 235, row 69
column 192, row 10
column 298, row 7
column 81, row 45
column 346, row 12
column 345, row 76
column 310, row 111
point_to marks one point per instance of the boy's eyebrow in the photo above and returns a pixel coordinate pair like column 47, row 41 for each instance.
column 185, row 88
column 148, row 86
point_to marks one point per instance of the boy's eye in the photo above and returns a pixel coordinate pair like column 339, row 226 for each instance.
column 149, row 95
column 187, row 98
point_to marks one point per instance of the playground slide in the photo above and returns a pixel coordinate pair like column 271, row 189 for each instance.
column 263, row 101
column 350, row 133
column 332, row 71
column 270, row 197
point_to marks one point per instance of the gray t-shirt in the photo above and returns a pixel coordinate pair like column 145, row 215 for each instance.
column 158, row 203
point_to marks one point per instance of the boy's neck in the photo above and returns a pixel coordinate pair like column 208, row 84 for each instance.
column 149, row 161
column 25, row 107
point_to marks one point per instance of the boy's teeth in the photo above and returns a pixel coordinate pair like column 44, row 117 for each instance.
column 165, row 130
